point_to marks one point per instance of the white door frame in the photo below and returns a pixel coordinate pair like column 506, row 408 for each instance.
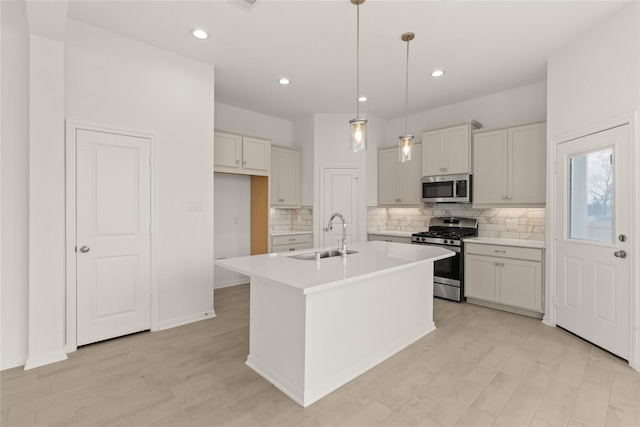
column 71, row 129
column 552, row 209
column 362, row 209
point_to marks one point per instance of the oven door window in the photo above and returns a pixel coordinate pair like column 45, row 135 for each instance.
column 448, row 268
column 431, row 190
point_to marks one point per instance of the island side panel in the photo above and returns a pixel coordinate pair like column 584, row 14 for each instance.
column 353, row 327
column 277, row 336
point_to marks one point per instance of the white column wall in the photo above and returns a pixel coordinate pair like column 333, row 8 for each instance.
column 14, row 181
column 46, row 207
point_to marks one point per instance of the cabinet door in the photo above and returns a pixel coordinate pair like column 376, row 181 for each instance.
column 274, row 178
column 289, row 177
column 409, row 178
column 432, row 143
column 490, row 168
column 388, row 165
column 481, row 277
column 227, row 150
column 521, row 284
column 455, row 152
column 255, row 155
column 527, row 164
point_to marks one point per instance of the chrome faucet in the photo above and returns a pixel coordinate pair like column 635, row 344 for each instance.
column 343, row 247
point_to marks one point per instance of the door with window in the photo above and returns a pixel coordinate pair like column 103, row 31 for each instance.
column 593, row 281
column 113, row 218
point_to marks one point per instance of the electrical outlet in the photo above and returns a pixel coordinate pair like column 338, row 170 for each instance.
column 512, row 224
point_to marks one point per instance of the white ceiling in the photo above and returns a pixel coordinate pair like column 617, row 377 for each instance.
column 483, row 46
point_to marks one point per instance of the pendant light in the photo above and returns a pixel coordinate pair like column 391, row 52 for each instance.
column 406, row 140
column 358, row 125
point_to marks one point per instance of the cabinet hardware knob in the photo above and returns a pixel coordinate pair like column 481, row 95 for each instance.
column 237, row 162
column 497, row 264
column 244, row 163
column 85, row 249
column 617, row 254
column 504, row 197
column 509, row 197
column 502, row 264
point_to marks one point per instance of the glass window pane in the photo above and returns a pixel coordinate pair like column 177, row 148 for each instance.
column 591, row 196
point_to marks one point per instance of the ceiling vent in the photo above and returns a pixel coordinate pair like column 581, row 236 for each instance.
column 244, row 4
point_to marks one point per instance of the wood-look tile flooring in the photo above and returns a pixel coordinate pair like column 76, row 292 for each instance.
column 481, row 367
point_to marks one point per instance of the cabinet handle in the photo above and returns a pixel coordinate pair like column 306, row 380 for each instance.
column 497, row 264
column 292, row 249
column 500, row 252
column 509, row 197
column 237, row 162
column 502, row 264
column 292, row 240
column 504, row 197
column 244, row 163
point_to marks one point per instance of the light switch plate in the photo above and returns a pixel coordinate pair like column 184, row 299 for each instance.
column 512, row 224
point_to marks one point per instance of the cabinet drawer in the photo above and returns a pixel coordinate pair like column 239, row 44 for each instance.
column 290, row 239
column 530, row 254
column 387, row 238
column 290, row 247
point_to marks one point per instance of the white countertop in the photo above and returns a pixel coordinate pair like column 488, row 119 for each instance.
column 392, row 233
column 289, row 232
column 373, row 258
column 540, row 244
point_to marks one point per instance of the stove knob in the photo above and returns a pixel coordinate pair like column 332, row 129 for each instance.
column 423, row 239
column 446, row 241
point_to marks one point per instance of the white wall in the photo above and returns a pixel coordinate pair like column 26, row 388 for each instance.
column 240, row 120
column 46, row 207
column 232, row 225
column 527, row 103
column 14, row 181
column 117, row 82
column 594, row 80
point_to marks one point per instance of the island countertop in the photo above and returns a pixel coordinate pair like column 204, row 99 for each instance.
column 371, row 259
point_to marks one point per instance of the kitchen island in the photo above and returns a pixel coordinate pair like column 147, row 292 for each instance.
column 317, row 323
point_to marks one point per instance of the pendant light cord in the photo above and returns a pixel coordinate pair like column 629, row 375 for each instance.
column 358, row 60
column 406, row 91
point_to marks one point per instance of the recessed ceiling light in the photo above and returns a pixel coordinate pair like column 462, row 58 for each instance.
column 199, row 34
column 284, row 81
column 362, row 98
column 437, row 73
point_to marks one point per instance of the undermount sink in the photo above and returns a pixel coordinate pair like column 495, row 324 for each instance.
column 318, row 255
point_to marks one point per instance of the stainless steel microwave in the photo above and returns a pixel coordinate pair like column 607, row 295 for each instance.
column 446, row 189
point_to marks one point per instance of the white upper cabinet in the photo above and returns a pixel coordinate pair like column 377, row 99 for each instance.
column 399, row 183
column 448, row 150
column 242, row 154
column 510, row 166
column 285, row 176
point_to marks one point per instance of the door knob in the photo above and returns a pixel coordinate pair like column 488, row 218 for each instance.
column 84, row 249
column 620, row 254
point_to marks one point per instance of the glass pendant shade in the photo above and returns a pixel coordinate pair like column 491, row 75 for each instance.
column 358, row 134
column 405, row 148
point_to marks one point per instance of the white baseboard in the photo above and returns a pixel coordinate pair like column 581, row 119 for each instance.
column 45, row 359
column 13, row 363
column 179, row 321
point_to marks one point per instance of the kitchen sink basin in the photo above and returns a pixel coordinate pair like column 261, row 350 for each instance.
column 319, row 255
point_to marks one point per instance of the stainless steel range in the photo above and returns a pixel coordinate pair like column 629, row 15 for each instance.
column 448, row 232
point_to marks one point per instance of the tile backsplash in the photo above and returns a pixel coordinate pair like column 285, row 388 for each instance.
column 300, row 219
column 530, row 223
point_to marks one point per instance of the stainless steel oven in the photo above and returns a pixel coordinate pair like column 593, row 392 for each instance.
column 448, row 232
column 446, row 189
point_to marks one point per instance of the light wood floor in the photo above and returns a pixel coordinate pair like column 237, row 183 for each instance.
column 481, row 367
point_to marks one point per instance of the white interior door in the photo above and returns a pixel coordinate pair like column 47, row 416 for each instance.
column 340, row 195
column 113, row 253
column 594, row 219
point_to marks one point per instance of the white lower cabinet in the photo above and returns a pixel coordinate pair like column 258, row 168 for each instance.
column 291, row 242
column 504, row 277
